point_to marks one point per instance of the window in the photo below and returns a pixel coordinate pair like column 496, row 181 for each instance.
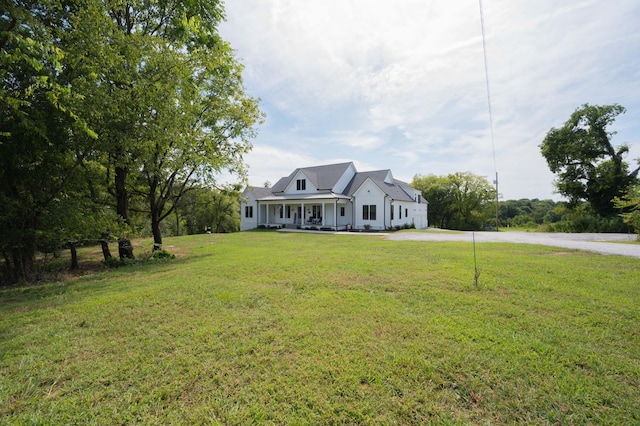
column 280, row 211
column 369, row 212
column 406, row 212
column 248, row 211
column 399, row 212
column 392, row 212
column 301, row 184
column 288, row 212
column 342, row 211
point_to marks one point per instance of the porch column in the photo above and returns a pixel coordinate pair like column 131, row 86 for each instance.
column 335, row 214
column 323, row 215
column 267, row 208
column 304, row 215
column 284, row 214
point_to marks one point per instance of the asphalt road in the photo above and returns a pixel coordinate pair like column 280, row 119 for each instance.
column 613, row 244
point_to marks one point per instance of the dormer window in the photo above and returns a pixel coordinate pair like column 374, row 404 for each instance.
column 301, row 184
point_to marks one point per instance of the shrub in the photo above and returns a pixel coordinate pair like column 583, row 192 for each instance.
column 162, row 255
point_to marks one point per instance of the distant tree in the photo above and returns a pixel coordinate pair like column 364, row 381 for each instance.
column 204, row 208
column 456, row 201
column 437, row 191
column 526, row 212
column 629, row 203
column 587, row 165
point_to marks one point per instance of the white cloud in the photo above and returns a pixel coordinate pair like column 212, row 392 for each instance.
column 402, row 85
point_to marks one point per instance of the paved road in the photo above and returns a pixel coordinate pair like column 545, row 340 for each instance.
column 599, row 243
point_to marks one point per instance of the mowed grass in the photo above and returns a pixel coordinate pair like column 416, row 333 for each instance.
column 290, row 328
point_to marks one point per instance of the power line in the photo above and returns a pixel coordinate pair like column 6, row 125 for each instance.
column 486, row 74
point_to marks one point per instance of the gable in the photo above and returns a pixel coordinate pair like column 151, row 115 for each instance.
column 300, row 183
column 369, row 189
column 332, row 177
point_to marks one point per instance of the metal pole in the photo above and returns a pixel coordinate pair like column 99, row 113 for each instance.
column 497, row 208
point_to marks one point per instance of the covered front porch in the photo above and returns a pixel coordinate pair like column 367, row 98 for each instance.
column 332, row 213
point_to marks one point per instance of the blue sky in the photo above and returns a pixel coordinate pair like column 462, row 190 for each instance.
column 401, row 85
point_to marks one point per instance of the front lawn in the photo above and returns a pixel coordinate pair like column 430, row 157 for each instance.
column 293, row 328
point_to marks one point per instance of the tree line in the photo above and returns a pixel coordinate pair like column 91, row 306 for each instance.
column 602, row 192
column 111, row 113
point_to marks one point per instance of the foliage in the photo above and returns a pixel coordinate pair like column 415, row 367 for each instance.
column 525, row 213
column 582, row 218
column 629, row 203
column 43, row 140
column 456, row 201
column 111, row 111
column 211, row 209
column 329, row 329
column 159, row 255
column 587, row 165
column 182, row 114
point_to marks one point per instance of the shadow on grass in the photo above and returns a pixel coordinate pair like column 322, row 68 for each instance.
column 92, row 281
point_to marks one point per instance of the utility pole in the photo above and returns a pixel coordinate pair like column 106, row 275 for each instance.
column 497, row 207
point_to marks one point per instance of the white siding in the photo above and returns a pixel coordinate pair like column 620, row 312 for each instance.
column 248, row 200
column 369, row 194
column 292, row 188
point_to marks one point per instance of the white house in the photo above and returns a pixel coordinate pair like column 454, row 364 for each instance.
column 335, row 197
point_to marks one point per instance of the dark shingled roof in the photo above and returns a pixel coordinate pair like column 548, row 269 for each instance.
column 393, row 190
column 261, row 192
column 322, row 177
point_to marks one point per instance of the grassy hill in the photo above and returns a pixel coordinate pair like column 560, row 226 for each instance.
column 283, row 328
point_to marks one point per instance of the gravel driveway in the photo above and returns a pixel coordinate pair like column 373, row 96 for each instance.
column 599, row 243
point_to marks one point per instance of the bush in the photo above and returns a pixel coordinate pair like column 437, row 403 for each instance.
column 162, row 255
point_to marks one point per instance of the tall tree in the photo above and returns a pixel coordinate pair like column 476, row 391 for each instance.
column 456, row 201
column 629, row 204
column 43, row 142
column 182, row 114
column 586, row 163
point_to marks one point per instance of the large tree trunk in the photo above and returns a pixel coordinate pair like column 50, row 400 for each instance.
column 22, row 264
column 74, row 255
column 104, row 242
column 125, row 249
column 122, row 197
column 156, row 206
column 155, row 229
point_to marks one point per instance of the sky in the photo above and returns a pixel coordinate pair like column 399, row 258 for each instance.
column 402, row 85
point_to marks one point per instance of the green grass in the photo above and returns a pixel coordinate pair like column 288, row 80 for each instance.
column 284, row 328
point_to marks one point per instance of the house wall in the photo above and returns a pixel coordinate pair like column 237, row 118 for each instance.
column 420, row 216
column 412, row 214
column 248, row 222
column 293, row 189
column 369, row 194
column 347, row 219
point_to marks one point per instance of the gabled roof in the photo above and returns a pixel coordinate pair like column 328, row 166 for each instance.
column 261, row 192
column 324, row 178
column 393, row 190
